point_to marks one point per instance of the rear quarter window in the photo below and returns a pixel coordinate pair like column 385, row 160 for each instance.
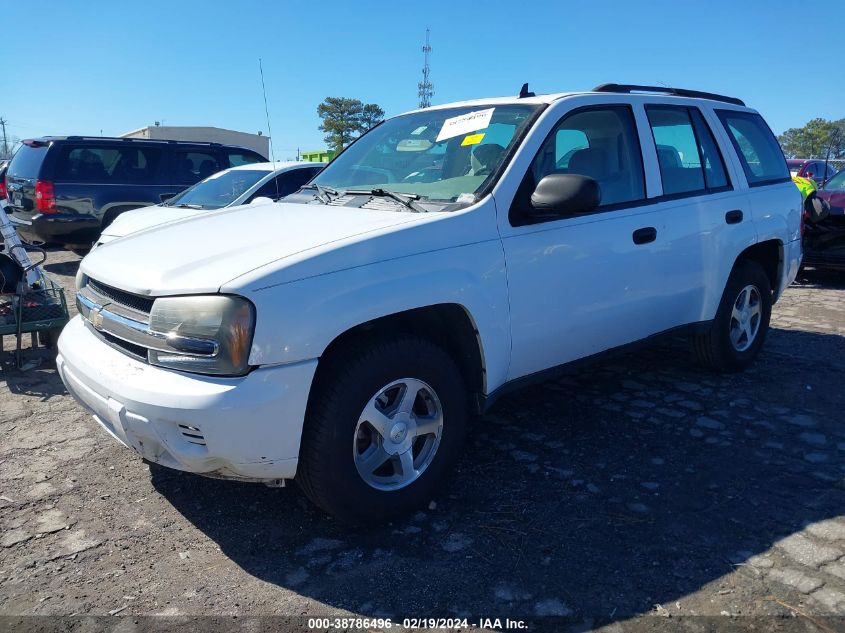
column 759, row 152
column 237, row 158
column 27, row 161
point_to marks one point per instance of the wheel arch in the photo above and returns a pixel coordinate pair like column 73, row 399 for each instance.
column 770, row 255
column 449, row 325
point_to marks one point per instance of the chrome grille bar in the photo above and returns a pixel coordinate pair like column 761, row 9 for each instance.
column 104, row 318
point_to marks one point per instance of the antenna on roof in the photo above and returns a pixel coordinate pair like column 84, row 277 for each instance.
column 523, row 92
column 269, row 131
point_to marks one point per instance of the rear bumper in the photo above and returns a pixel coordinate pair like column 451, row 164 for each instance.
column 62, row 228
column 238, row 428
column 822, row 259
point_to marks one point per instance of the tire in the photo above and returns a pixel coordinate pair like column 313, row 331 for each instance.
column 336, row 437
column 715, row 348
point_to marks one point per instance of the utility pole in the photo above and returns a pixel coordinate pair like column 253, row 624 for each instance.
column 5, row 142
column 426, row 88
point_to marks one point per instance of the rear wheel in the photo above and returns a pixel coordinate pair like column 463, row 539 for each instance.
column 737, row 333
column 385, row 422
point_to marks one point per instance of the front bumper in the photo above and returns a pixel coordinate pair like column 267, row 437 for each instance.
column 239, row 428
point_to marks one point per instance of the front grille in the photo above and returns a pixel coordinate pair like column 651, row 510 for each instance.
column 136, row 351
column 133, row 301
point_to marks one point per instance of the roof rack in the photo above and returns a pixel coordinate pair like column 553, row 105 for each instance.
column 132, row 139
column 678, row 92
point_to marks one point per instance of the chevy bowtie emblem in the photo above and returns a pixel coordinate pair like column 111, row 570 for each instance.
column 96, row 319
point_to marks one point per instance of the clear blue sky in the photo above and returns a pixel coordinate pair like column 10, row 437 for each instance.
column 80, row 67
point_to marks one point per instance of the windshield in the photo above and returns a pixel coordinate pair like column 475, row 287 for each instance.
column 438, row 155
column 219, row 190
column 837, row 182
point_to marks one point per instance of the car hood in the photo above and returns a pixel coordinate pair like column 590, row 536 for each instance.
column 140, row 219
column 203, row 252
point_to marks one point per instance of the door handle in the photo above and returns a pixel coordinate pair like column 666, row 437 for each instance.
column 733, row 217
column 645, row 235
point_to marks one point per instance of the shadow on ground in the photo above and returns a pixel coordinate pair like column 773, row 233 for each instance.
column 67, row 268
column 599, row 495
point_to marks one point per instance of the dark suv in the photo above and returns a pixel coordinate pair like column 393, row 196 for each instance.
column 66, row 190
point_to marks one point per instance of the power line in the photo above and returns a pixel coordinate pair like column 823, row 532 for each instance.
column 426, row 88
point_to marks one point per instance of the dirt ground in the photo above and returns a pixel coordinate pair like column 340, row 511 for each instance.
column 641, row 487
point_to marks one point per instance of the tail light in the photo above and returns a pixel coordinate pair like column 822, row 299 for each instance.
column 3, row 192
column 45, row 199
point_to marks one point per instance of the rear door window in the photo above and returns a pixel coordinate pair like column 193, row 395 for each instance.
column 687, row 153
column 677, row 149
column 758, row 150
column 80, row 163
column 193, row 166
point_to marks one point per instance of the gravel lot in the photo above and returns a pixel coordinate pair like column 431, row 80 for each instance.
column 640, row 487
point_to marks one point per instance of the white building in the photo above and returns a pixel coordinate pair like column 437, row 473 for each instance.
column 257, row 142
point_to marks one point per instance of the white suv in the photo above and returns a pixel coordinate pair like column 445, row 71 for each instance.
column 345, row 335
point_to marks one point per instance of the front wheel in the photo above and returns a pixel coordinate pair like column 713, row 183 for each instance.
column 737, row 333
column 385, row 422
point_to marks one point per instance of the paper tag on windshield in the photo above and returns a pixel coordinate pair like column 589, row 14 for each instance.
column 465, row 123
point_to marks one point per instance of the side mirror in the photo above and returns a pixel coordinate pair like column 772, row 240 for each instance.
column 261, row 200
column 565, row 194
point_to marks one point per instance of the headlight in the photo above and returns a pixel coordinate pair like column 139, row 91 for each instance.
column 81, row 279
column 209, row 334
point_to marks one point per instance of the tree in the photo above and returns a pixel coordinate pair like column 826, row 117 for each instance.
column 814, row 139
column 345, row 119
column 341, row 120
column 371, row 116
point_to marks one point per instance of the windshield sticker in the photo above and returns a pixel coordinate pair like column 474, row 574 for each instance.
column 419, row 130
column 465, row 123
column 472, row 139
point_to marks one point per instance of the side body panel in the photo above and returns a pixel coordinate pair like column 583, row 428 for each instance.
column 468, row 271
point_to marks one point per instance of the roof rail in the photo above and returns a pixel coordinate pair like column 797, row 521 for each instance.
column 133, row 139
column 678, row 92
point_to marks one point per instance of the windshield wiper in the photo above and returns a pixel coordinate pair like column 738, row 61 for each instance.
column 405, row 199
column 185, row 205
column 324, row 194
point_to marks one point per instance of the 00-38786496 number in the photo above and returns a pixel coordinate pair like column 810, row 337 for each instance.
column 387, row 623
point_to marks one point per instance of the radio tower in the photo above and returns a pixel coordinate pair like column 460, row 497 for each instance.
column 426, row 88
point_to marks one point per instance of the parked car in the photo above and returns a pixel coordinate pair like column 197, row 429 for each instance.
column 824, row 241
column 345, row 335
column 66, row 190
column 228, row 188
column 818, row 170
